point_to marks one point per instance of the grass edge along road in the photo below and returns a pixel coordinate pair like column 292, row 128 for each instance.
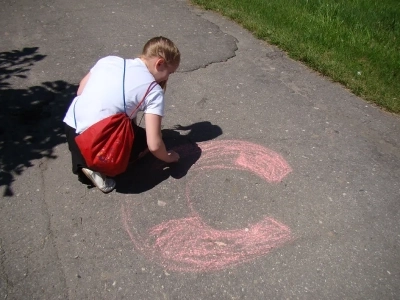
column 353, row 42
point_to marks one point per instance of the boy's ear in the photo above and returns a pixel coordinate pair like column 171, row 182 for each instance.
column 160, row 62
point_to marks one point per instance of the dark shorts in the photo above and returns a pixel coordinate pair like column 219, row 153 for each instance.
column 78, row 162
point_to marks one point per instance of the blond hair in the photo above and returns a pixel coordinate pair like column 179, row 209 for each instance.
column 164, row 48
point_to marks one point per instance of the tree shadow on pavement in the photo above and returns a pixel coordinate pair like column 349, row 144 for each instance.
column 30, row 119
column 149, row 171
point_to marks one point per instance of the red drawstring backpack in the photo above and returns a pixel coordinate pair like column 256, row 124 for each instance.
column 106, row 145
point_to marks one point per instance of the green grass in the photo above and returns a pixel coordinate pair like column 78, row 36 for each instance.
column 354, row 42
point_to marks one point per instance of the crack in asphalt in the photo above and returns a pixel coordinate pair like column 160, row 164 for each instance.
column 50, row 234
column 205, row 66
column 3, row 273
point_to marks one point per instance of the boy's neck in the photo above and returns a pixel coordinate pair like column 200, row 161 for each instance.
column 150, row 64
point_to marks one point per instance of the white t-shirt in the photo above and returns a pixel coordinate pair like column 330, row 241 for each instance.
column 103, row 96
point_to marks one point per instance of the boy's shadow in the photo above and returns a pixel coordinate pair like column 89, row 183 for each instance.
column 148, row 172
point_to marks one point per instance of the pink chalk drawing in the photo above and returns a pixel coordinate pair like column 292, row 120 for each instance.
column 189, row 244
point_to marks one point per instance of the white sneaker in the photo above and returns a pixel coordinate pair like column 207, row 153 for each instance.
column 104, row 184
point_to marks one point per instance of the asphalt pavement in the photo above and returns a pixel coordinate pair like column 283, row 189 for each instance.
column 288, row 185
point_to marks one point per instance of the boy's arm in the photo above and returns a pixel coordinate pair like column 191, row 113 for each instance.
column 154, row 139
column 82, row 84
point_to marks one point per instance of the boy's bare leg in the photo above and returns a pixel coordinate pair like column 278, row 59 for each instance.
column 143, row 153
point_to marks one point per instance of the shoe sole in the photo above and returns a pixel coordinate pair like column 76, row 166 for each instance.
column 88, row 175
